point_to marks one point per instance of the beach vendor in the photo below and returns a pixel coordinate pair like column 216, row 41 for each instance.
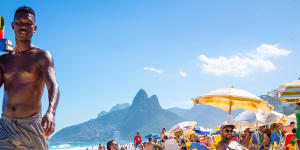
column 24, row 72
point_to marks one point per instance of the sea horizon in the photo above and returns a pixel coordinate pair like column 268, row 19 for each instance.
column 81, row 146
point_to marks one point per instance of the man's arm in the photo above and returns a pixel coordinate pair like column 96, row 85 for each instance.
column 47, row 64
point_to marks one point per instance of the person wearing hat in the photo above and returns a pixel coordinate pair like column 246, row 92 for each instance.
column 226, row 135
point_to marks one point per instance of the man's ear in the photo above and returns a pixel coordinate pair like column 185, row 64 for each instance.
column 12, row 25
column 35, row 28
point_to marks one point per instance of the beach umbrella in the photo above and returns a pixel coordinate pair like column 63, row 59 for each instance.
column 245, row 120
column 270, row 117
column 290, row 92
column 190, row 132
column 232, row 98
column 151, row 135
column 201, row 130
column 251, row 119
column 292, row 116
column 184, row 126
column 156, row 137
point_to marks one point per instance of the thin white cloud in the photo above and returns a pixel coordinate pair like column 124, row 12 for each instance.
column 183, row 74
column 153, row 70
column 260, row 59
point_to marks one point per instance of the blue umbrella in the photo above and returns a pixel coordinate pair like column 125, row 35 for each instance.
column 152, row 135
column 156, row 137
column 202, row 132
column 198, row 131
column 197, row 128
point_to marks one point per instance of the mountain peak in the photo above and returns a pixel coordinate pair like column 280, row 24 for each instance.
column 153, row 97
column 140, row 97
column 142, row 92
column 153, row 100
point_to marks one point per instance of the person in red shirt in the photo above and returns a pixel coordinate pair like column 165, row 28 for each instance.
column 289, row 138
column 137, row 139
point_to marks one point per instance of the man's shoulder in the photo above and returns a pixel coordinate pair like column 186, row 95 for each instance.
column 40, row 51
column 42, row 54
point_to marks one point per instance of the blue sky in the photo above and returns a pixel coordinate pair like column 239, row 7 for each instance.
column 105, row 51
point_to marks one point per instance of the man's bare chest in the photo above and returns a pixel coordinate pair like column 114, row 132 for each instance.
column 24, row 68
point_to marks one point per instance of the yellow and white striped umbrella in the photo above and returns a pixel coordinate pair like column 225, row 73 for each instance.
column 233, row 98
column 292, row 116
column 290, row 92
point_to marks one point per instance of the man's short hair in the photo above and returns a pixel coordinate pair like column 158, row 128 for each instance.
column 25, row 9
column 109, row 143
column 292, row 122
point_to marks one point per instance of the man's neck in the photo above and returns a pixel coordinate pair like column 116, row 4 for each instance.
column 23, row 45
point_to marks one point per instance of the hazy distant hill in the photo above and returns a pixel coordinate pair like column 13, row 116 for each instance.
column 144, row 115
column 114, row 108
column 206, row 116
column 119, row 106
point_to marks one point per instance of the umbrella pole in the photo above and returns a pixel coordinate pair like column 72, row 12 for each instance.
column 230, row 107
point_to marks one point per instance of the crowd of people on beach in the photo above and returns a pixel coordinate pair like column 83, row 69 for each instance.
column 266, row 137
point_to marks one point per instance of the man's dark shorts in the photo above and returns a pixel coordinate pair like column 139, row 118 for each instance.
column 22, row 134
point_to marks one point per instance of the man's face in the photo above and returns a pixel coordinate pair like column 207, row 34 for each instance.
column 24, row 26
column 227, row 133
column 247, row 132
column 261, row 129
column 114, row 146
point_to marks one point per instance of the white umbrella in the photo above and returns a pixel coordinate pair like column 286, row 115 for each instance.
column 245, row 119
column 250, row 119
column 271, row 117
column 186, row 125
column 206, row 129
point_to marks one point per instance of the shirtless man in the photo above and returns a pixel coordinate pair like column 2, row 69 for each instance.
column 226, row 135
column 149, row 145
column 24, row 73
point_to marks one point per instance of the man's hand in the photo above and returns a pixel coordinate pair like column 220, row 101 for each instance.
column 6, row 45
column 48, row 124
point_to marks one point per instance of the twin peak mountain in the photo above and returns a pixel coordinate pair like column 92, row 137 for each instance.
column 144, row 115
